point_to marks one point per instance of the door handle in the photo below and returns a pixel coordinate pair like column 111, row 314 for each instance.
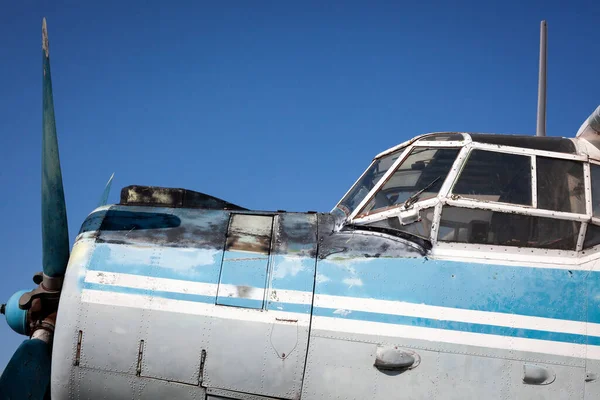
column 393, row 358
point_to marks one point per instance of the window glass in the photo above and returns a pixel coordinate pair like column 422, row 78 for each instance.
column 421, row 228
column 560, row 145
column 367, row 181
column 560, row 185
column 595, row 170
column 592, row 236
column 506, row 229
column 424, row 169
column 442, row 137
column 499, row 177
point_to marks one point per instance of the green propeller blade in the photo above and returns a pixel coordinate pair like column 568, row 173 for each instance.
column 27, row 374
column 55, row 233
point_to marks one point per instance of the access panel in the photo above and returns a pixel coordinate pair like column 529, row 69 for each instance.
column 245, row 261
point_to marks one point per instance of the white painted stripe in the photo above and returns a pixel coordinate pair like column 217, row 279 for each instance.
column 455, row 314
column 593, row 352
column 195, row 288
column 513, row 256
column 335, row 325
column 347, row 304
column 151, row 283
column 191, row 307
column 332, row 325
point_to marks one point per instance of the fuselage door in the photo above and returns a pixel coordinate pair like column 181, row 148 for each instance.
column 259, row 333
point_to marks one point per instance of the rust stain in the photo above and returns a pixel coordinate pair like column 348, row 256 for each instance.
column 251, row 243
column 247, row 259
column 285, row 320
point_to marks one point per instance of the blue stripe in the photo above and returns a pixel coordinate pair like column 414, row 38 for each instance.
column 240, row 302
column 146, row 292
column 364, row 316
column 122, row 259
column 541, row 292
column 454, row 326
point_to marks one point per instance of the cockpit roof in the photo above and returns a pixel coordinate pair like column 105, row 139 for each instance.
column 544, row 143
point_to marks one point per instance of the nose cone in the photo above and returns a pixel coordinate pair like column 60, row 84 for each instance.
column 15, row 317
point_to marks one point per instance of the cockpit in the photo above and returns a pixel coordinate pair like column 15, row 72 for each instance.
column 482, row 189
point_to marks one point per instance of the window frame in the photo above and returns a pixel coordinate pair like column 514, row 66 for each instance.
column 533, row 181
column 444, row 196
column 376, row 215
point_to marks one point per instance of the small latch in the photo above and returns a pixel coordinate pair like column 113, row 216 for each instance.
column 537, row 375
column 393, row 358
column 591, row 377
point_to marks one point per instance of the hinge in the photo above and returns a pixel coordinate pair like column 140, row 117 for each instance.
column 78, row 351
column 138, row 370
column 202, row 360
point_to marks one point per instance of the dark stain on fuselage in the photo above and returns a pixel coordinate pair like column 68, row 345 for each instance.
column 294, row 234
column 251, row 243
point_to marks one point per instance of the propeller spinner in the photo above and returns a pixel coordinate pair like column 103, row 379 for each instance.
column 33, row 313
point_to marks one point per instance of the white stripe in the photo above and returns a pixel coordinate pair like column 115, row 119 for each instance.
column 347, row 304
column 195, row 288
column 337, row 325
column 151, row 283
column 191, row 307
column 511, row 256
column 456, row 314
column 344, row 304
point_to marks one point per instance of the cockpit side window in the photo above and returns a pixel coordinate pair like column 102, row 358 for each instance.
column 592, row 236
column 367, row 181
column 595, row 171
column 560, row 185
column 424, row 169
column 497, row 177
column 506, row 229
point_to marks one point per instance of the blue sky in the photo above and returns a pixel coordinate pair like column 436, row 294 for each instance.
column 270, row 105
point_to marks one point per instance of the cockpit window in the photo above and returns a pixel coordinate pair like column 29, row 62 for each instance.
column 367, row 181
column 424, row 169
column 497, row 177
column 560, row 185
column 506, row 229
column 421, row 227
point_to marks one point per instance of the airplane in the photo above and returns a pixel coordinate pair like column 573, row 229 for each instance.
column 458, row 265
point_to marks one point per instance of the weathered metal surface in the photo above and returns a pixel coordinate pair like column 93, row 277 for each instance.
column 170, row 197
column 267, row 356
column 243, row 278
column 181, row 228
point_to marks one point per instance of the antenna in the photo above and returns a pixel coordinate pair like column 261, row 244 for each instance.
column 541, row 111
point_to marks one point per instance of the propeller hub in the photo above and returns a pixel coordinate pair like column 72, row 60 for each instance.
column 15, row 316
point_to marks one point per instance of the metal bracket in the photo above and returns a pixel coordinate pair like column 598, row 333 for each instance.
column 48, row 292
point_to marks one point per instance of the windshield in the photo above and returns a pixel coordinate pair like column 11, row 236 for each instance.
column 420, row 176
column 367, row 181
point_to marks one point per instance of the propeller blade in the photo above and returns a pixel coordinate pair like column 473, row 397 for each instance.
column 55, row 233
column 27, row 375
column 104, row 198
